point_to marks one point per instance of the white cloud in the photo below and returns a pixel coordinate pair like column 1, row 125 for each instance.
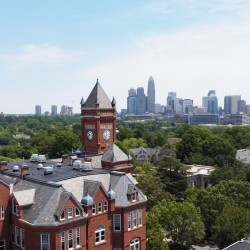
column 189, row 61
column 40, row 54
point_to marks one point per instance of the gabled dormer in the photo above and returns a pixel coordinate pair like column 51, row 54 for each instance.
column 68, row 208
column 132, row 193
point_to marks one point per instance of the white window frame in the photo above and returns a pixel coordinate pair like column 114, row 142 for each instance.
column 17, row 235
column 134, row 219
column 94, row 208
column 45, row 242
column 139, row 217
column 3, row 246
column 105, row 206
column 99, row 207
column 100, row 234
column 133, row 195
column 116, row 222
column 22, row 238
column 2, row 213
column 70, row 212
column 77, row 212
column 71, row 237
column 63, row 240
column 129, row 220
column 135, row 244
column 78, row 236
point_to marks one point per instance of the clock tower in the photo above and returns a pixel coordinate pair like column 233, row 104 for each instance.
column 98, row 121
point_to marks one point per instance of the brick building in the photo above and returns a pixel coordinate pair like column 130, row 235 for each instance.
column 62, row 207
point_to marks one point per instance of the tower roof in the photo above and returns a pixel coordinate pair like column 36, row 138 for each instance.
column 98, row 98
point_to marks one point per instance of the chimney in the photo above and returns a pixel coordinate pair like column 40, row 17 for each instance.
column 3, row 166
column 24, row 171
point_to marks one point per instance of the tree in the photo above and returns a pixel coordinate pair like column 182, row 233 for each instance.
column 153, row 188
column 181, row 221
column 232, row 225
column 174, row 175
column 65, row 141
column 155, row 235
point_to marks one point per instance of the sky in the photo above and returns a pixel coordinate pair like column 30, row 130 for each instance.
column 52, row 52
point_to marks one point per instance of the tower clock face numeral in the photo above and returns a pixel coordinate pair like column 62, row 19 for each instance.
column 90, row 135
column 106, row 135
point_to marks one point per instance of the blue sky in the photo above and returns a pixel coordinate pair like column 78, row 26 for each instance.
column 52, row 52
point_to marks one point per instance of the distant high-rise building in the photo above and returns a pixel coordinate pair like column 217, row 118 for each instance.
column 177, row 105
column 171, row 96
column 141, row 101
column 38, row 110
column 66, row 110
column 210, row 102
column 212, row 105
column 231, row 104
column 242, row 106
column 187, row 106
column 131, row 101
column 151, row 95
column 53, row 110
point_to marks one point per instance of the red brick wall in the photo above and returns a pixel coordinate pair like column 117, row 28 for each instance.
column 4, row 224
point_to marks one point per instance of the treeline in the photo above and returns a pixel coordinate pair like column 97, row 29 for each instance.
column 177, row 216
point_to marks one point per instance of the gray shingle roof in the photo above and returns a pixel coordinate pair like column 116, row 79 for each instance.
column 114, row 154
column 97, row 96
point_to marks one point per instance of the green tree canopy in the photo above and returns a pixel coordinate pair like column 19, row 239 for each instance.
column 181, row 221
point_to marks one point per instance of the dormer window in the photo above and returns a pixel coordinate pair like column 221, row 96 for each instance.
column 93, row 208
column 99, row 207
column 62, row 215
column 105, row 206
column 133, row 195
column 14, row 207
column 70, row 212
column 77, row 212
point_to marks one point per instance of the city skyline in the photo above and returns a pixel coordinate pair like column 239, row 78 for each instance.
column 54, row 52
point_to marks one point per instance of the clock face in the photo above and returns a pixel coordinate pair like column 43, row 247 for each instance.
column 90, row 135
column 106, row 135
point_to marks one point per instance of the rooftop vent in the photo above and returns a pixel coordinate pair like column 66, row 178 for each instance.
column 48, row 170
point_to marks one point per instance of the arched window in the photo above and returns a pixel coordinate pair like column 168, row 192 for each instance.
column 100, row 234
column 135, row 244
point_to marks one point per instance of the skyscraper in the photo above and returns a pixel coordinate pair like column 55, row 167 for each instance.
column 231, row 104
column 141, row 102
column 131, row 101
column 53, row 110
column 151, row 95
column 38, row 110
column 171, row 96
column 210, row 102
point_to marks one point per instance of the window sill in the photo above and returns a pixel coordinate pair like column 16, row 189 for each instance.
column 134, row 228
column 100, row 243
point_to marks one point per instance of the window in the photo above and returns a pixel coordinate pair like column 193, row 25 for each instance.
column 99, row 207
column 2, row 213
column 133, row 195
column 70, row 239
column 134, row 220
column 12, row 233
column 100, row 234
column 17, row 238
column 129, row 220
column 117, row 222
column 139, row 217
column 105, row 207
column 70, row 213
column 14, row 207
column 45, row 245
column 62, row 215
column 94, row 208
column 63, row 246
column 78, row 239
column 77, row 212
column 2, row 245
column 135, row 244
column 22, row 238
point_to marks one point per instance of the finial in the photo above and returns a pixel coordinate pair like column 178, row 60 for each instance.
column 97, row 82
column 113, row 103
